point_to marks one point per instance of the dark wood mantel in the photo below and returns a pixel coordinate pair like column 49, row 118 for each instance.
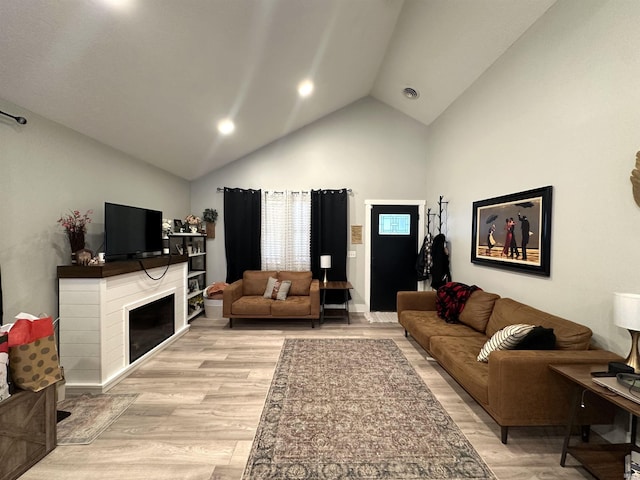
column 111, row 269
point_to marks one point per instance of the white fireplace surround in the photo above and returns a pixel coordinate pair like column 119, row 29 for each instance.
column 94, row 323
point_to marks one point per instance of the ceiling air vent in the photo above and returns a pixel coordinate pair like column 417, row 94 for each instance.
column 411, row 93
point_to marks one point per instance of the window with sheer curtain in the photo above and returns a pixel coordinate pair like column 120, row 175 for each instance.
column 286, row 231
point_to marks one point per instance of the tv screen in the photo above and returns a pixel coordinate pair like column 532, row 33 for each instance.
column 131, row 232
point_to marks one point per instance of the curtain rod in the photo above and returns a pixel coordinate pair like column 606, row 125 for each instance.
column 221, row 189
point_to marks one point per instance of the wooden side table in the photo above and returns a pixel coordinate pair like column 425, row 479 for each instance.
column 345, row 287
column 603, row 461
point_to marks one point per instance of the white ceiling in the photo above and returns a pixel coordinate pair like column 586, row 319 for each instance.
column 153, row 78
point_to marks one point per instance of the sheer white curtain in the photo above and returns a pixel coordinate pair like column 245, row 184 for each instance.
column 286, row 231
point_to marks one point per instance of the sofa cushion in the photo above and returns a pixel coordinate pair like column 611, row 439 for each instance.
column 254, row 282
column 505, row 339
column 293, row 306
column 425, row 324
column 300, row 281
column 458, row 357
column 276, row 289
column 569, row 335
column 252, row 305
column 477, row 310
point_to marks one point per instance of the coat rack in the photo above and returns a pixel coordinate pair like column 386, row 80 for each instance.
column 424, row 263
column 440, row 210
column 432, row 216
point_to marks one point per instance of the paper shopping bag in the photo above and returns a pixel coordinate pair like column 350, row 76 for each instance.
column 4, row 363
column 33, row 356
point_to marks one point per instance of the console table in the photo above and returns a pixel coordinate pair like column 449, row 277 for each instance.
column 603, row 461
column 343, row 286
column 94, row 305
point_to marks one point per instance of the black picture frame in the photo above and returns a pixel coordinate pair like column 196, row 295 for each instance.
column 532, row 208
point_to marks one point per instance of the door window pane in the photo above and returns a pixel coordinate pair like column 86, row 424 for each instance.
column 394, row 224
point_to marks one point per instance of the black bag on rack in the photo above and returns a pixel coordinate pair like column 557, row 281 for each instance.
column 423, row 262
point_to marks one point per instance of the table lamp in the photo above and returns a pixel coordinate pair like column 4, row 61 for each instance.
column 626, row 314
column 325, row 263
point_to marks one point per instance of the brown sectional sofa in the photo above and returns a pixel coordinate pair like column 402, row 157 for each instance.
column 516, row 387
column 244, row 298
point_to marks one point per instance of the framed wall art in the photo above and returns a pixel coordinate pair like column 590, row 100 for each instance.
column 513, row 232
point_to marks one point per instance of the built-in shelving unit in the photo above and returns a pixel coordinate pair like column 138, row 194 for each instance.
column 193, row 245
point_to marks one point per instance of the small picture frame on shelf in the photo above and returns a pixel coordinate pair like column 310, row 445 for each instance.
column 178, row 226
column 193, row 285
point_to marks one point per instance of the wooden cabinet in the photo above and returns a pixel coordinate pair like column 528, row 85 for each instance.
column 27, row 430
column 195, row 246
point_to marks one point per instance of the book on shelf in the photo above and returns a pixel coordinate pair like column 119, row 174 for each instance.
column 632, row 466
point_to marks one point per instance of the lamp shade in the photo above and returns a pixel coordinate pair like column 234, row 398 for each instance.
column 626, row 310
column 325, row 261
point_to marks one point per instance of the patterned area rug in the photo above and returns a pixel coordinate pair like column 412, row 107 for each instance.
column 355, row 409
column 381, row 317
column 90, row 416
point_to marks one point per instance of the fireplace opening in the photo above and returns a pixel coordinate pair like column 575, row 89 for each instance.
column 150, row 325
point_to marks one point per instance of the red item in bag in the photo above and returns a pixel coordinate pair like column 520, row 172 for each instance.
column 27, row 331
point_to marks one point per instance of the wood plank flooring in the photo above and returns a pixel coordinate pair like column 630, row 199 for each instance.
column 201, row 398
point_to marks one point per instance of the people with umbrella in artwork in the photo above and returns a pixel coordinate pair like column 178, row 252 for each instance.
column 513, row 246
column 491, row 241
column 524, row 227
column 507, row 238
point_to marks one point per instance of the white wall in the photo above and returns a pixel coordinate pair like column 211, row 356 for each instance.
column 559, row 108
column 369, row 147
column 47, row 170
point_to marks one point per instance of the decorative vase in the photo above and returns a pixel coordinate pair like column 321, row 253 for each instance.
column 211, row 230
column 76, row 240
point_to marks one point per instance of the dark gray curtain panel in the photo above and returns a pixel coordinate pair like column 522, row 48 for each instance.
column 329, row 234
column 242, row 213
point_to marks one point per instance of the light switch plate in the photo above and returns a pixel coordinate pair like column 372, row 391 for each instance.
column 352, row 254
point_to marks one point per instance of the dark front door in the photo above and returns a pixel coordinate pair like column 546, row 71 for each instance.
column 394, row 246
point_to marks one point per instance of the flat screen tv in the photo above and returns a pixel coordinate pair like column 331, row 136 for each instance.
column 131, row 232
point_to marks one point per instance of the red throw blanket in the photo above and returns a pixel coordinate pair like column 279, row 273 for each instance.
column 450, row 300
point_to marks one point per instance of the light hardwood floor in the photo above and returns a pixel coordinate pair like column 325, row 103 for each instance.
column 201, row 398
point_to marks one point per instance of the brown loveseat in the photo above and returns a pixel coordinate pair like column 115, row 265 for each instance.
column 245, row 298
column 515, row 387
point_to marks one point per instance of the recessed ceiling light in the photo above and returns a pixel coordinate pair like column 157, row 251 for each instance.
column 305, row 88
column 226, row 126
column 411, row 93
column 119, row 4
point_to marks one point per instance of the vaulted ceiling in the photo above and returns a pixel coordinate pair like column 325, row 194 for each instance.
column 153, row 78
